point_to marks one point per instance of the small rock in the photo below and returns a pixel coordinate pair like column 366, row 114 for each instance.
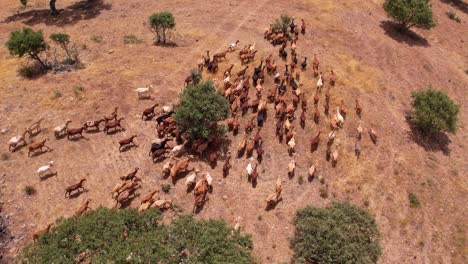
column 110, row 51
column 4, row 130
column 225, row 197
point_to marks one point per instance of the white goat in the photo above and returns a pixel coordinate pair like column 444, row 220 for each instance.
column 191, row 179
column 58, row 130
column 292, row 144
column 166, row 109
column 233, row 46
column 320, row 82
column 339, row 117
column 209, row 180
column 144, row 92
column 177, row 150
column 359, row 130
column 46, row 169
column 311, row 171
column 249, row 168
column 15, row 141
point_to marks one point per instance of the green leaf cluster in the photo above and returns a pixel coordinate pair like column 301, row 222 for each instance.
column 160, row 24
column 200, row 110
column 434, row 111
column 341, row 233
column 409, row 13
column 99, row 237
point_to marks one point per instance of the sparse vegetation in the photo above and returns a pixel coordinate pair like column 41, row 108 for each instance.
column 452, row 15
column 410, row 13
column 413, row 200
column 77, row 90
column 63, row 40
column 5, row 156
column 341, row 233
column 57, row 94
column 101, row 240
column 200, row 110
column 97, row 39
column 24, row 2
column 162, row 24
column 30, row 190
column 434, row 111
column 28, row 42
column 166, row 188
column 132, row 39
column 300, row 179
column 323, row 192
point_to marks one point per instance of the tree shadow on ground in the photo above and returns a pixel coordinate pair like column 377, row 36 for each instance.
column 82, row 10
column 460, row 4
column 435, row 141
column 410, row 38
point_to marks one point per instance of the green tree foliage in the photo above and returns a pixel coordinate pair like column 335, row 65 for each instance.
column 28, row 42
column 200, row 110
column 99, row 237
column 282, row 24
column 24, row 2
column 161, row 24
column 341, row 233
column 63, row 40
column 409, row 13
column 434, row 111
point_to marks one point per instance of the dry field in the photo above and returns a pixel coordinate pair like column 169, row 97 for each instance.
column 353, row 37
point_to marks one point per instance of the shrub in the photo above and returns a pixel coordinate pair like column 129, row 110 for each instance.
column 30, row 190
column 409, row 13
column 413, row 200
column 24, row 2
column 166, row 188
column 5, row 156
column 282, row 24
column 28, row 42
column 132, row 39
column 341, row 233
column 161, row 24
column 97, row 39
column 57, row 94
column 434, row 111
column 201, row 107
column 98, row 237
column 323, row 192
column 453, row 16
column 63, row 40
column 300, row 179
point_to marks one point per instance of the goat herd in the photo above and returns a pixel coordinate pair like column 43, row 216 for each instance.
column 172, row 143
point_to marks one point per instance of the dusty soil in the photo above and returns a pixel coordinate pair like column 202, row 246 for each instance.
column 372, row 62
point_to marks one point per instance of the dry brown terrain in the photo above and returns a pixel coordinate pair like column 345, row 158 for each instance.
column 353, row 37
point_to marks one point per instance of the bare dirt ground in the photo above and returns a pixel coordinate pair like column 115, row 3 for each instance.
column 372, row 62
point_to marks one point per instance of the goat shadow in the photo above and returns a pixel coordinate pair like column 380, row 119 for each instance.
column 128, row 147
column 77, row 194
column 461, row 5
column 200, row 208
column 115, row 131
column 36, row 154
column 435, row 141
column 47, row 176
column 76, row 139
column 82, row 10
column 272, row 206
column 409, row 37
column 127, row 202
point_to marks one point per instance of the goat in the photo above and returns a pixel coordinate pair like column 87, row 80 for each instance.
column 72, row 132
column 37, row 146
column 254, row 176
column 220, row 55
column 334, row 157
column 41, row 231
column 75, row 187
column 148, row 112
column 242, row 145
column 46, row 170
column 144, row 92
column 303, row 26
column 250, row 147
column 242, row 72
column 83, row 208
column 227, row 165
column 316, row 115
column 357, row 148
column 302, row 119
column 249, row 168
column 131, row 175
column 320, row 82
column 291, row 144
column 124, row 196
column 291, row 168
column 179, row 166
column 260, row 152
column 331, row 137
column 315, row 141
column 124, row 143
column 112, row 116
column 358, row 108
column 158, row 146
column 213, row 158
column 148, row 197
column 311, row 171
column 113, row 125
column 35, row 128
column 359, row 130
column 343, row 110
column 58, row 130
column 315, row 63
column 163, row 117
column 14, row 142
column 373, row 135
column 339, row 117
column 94, row 124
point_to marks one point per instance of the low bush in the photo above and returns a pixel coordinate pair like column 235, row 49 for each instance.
column 341, row 233
column 126, row 236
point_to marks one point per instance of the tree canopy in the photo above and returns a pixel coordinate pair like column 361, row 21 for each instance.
column 98, row 236
column 160, row 24
column 341, row 233
column 201, row 107
column 434, row 111
column 409, row 13
column 27, row 42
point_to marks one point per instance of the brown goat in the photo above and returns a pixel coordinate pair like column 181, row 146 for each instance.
column 42, row 231
column 112, row 116
column 124, row 143
column 75, row 187
column 358, row 108
column 131, row 175
column 83, row 208
column 38, row 146
column 227, row 165
column 148, row 112
column 113, row 125
column 73, row 132
column 315, row 141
